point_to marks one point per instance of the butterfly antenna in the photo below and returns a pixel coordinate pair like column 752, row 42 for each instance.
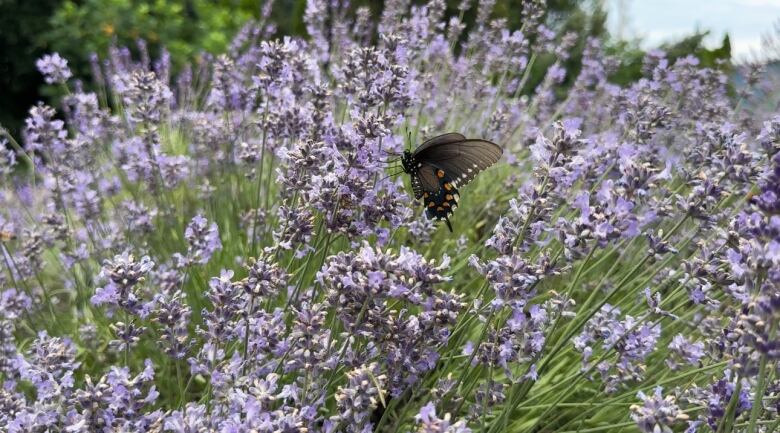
column 449, row 226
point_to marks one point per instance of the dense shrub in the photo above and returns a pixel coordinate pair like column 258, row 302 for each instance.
column 184, row 28
column 226, row 249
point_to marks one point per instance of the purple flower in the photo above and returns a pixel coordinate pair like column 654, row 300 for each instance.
column 123, row 274
column 686, row 351
column 173, row 315
column 265, row 279
column 657, row 413
column 428, row 422
column 54, row 68
column 193, row 418
column 360, row 284
column 7, row 158
column 632, row 341
column 363, row 393
column 202, row 242
column 14, row 303
column 44, row 133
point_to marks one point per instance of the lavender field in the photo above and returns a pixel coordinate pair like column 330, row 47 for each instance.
column 235, row 248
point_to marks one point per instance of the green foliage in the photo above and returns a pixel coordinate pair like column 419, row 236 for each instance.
column 631, row 55
column 573, row 19
column 184, row 27
column 77, row 28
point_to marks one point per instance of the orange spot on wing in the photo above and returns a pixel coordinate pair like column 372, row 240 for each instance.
column 431, row 204
column 449, row 197
column 447, row 186
column 440, row 173
column 439, row 208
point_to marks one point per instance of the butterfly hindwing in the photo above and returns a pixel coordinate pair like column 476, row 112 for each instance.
column 441, row 203
column 424, row 179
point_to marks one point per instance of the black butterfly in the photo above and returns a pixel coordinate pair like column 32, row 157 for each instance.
column 443, row 163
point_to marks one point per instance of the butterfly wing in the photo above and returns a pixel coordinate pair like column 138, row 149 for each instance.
column 461, row 160
column 450, row 137
column 424, row 180
column 442, row 201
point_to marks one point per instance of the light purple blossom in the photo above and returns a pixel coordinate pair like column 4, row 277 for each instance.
column 428, row 422
column 54, row 68
column 202, row 242
column 657, row 413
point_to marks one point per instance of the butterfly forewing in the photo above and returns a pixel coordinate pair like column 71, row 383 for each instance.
column 461, row 160
column 448, row 138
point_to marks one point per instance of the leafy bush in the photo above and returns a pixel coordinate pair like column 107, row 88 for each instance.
column 224, row 250
column 184, row 28
column 79, row 30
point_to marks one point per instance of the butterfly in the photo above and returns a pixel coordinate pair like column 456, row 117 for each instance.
column 442, row 164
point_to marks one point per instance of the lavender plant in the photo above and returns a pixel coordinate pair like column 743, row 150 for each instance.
column 226, row 249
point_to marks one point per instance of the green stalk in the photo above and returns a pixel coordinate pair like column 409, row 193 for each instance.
column 332, row 377
column 570, row 382
column 726, row 424
column 527, row 383
column 761, row 386
column 260, row 176
column 18, row 148
column 246, row 332
column 470, row 360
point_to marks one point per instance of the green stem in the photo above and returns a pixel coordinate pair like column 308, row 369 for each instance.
column 726, row 424
column 179, row 382
column 527, row 383
column 260, row 176
column 755, row 411
column 18, row 148
column 246, row 332
column 470, row 360
column 332, row 377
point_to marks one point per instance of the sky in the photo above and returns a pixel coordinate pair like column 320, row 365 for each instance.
column 658, row 21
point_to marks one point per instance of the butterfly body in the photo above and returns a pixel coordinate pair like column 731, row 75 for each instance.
column 438, row 166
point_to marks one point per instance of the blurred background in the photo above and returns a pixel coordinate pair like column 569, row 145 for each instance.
column 721, row 33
